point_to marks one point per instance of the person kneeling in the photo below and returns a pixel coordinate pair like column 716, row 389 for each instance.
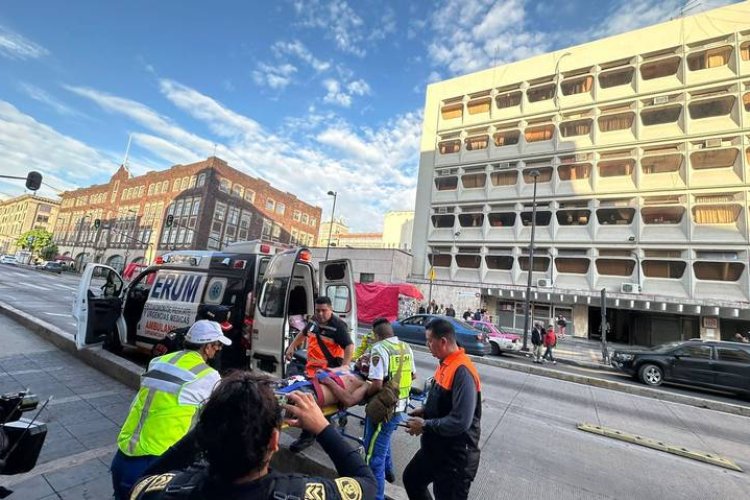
column 238, row 432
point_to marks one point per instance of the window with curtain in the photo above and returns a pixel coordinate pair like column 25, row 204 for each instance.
column 712, row 58
column 718, row 271
column 716, row 214
column 543, row 218
column 615, row 267
column 661, row 164
column 502, row 219
column 477, row 142
column 447, row 183
column 668, row 269
column 608, row 216
column 452, row 111
column 508, row 100
column 660, row 69
column 572, row 265
column 745, row 51
column 468, row 261
column 619, row 121
column 573, row 217
column 616, row 168
column 539, row 133
column 541, row 93
column 506, row 137
column 500, row 262
column 504, row 178
column 662, row 215
column 574, row 172
column 545, row 175
column 714, row 158
column 541, row 263
column 576, row 128
column 473, row 181
column 616, row 77
column 477, row 106
column 746, row 101
column 448, row 147
column 471, row 220
column 443, row 220
column 440, row 260
column 578, row 85
column 659, row 116
column 708, row 108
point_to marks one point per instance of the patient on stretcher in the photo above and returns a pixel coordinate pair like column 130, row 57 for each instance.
column 353, row 383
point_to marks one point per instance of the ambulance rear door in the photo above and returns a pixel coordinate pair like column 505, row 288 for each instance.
column 337, row 283
column 98, row 305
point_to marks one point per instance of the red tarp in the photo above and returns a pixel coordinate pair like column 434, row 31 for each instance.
column 380, row 300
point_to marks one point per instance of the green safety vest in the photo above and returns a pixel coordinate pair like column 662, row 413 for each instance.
column 394, row 355
column 166, row 404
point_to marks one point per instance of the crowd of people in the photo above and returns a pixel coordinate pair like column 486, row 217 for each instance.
column 193, row 434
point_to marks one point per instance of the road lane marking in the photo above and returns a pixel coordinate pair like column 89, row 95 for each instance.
column 57, row 314
column 654, row 444
column 64, row 286
column 34, row 286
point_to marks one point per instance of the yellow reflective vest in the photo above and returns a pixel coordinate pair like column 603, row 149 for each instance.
column 172, row 390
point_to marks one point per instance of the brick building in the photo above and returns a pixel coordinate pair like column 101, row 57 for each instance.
column 212, row 204
column 24, row 213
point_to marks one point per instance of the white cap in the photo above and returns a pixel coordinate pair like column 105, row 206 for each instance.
column 205, row 331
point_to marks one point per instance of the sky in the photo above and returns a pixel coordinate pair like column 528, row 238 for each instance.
column 313, row 96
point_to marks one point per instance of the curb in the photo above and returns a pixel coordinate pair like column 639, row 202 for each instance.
column 613, row 385
column 129, row 374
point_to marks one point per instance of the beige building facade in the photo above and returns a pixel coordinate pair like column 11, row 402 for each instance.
column 638, row 148
column 397, row 229
column 24, row 213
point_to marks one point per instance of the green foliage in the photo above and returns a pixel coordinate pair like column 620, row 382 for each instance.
column 49, row 252
column 35, row 240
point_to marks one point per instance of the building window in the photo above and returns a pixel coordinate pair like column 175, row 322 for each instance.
column 504, row 178
column 576, row 128
column 543, row 218
column 608, row 216
column 578, row 85
column 745, row 51
column 192, row 185
column 502, row 219
column 712, row 58
column 448, row 183
column 201, row 180
column 305, row 219
column 477, row 106
column 541, row 93
column 448, row 147
column 616, row 78
column 185, row 183
column 615, row 267
column 270, row 204
column 746, row 101
column 499, row 262
column 716, row 158
column 661, row 164
column 366, row 277
column 545, row 175
column 508, row 100
column 574, row 172
column 718, row 271
column 443, row 220
column 669, row 269
column 225, row 185
column 297, row 215
column 474, row 180
column 660, row 69
column 716, row 214
column 469, row 261
column 541, row 263
column 539, row 133
column 176, row 185
column 660, row 116
column 452, row 111
column 164, row 186
column 573, row 217
column 662, row 215
column 471, row 220
column 506, row 138
column 280, row 208
column 477, row 142
column 237, row 191
column 250, row 195
column 150, row 189
column 440, row 260
column 572, row 265
column 616, row 168
column 708, row 108
column 196, row 206
column 619, row 121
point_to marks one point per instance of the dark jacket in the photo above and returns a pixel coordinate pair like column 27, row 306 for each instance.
column 537, row 334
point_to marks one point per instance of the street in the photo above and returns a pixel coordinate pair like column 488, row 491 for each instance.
column 531, row 447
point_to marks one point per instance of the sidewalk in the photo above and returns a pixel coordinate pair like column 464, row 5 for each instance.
column 582, row 352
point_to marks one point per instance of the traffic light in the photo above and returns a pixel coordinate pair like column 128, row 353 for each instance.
column 170, row 220
column 97, row 223
column 33, row 181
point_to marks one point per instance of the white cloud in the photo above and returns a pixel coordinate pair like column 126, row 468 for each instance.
column 298, row 49
column 15, row 46
column 386, row 26
column 341, row 94
column 338, row 19
column 26, row 144
column 274, row 76
column 42, row 96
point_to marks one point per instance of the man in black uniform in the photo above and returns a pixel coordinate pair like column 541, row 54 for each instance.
column 238, row 433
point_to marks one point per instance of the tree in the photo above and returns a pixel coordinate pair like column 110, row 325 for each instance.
column 35, row 240
column 49, row 252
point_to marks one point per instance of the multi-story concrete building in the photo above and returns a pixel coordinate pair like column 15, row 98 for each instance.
column 24, row 213
column 211, row 204
column 397, row 229
column 334, row 229
column 638, row 147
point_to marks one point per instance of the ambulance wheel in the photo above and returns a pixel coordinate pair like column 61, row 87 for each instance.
column 112, row 342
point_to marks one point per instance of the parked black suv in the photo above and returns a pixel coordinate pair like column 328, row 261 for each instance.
column 714, row 364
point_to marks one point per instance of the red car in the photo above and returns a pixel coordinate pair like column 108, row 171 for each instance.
column 499, row 340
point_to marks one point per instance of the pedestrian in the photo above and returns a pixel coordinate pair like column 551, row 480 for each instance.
column 550, row 341
column 562, row 325
column 467, row 314
column 329, row 345
column 449, row 311
column 738, row 337
column 537, row 340
column 448, row 423
column 238, row 433
column 477, row 315
column 422, row 309
column 172, row 390
column 391, row 373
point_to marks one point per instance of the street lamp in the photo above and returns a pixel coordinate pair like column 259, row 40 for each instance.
column 330, row 226
column 535, row 175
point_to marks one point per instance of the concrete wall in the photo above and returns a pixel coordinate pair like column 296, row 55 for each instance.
column 388, row 265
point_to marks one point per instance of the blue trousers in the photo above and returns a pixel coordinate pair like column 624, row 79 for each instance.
column 126, row 471
column 378, row 449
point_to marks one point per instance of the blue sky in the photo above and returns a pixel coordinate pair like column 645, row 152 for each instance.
column 312, row 96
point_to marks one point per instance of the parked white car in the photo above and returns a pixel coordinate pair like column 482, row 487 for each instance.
column 8, row 259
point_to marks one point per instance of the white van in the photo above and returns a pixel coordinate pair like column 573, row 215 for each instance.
column 254, row 279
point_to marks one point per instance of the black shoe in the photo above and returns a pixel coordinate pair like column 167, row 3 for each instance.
column 390, row 477
column 302, row 443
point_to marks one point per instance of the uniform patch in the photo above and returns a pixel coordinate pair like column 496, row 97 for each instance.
column 315, row 491
column 349, row 488
column 153, row 483
column 375, row 361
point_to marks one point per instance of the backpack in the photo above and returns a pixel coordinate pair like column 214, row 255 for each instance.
column 381, row 407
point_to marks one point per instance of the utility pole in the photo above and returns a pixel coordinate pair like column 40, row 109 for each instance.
column 605, row 351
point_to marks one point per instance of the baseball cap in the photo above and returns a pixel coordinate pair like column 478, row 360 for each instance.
column 205, row 331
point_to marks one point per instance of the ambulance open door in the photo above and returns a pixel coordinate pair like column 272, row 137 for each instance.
column 337, row 283
column 98, row 305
